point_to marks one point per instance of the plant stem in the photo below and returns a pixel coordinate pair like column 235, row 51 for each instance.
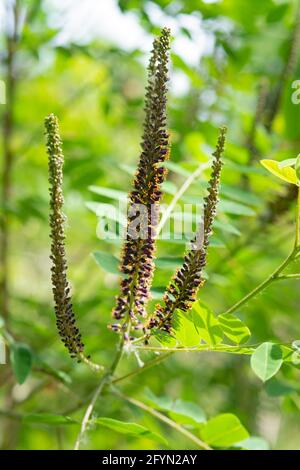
column 149, row 364
column 203, row 348
column 104, row 381
column 288, row 276
column 92, row 365
column 179, row 193
column 165, row 419
column 273, row 277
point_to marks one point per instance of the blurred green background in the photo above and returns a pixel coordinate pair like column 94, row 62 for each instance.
column 233, row 63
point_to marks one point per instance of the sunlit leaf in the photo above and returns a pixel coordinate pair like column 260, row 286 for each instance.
column 206, row 324
column 234, row 328
column 185, row 331
column 286, row 173
column 223, row 431
column 266, row 360
column 165, row 339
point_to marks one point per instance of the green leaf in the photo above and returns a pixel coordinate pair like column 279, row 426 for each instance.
column 254, row 443
column 21, row 361
column 48, row 418
column 185, row 331
column 245, row 169
column 165, row 339
column 231, row 207
column 234, row 328
column 276, row 388
column 266, row 360
column 186, row 412
column 168, row 262
column 223, row 431
column 169, row 188
column 109, row 211
column 108, row 262
column 206, row 324
column 286, row 173
column 189, row 218
column 181, row 411
column 176, row 168
column 130, row 169
column 277, row 13
column 225, row 226
column 159, row 403
column 130, row 429
column 108, row 192
column 157, row 292
column 239, row 195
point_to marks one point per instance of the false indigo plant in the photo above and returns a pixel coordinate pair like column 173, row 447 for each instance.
column 131, row 319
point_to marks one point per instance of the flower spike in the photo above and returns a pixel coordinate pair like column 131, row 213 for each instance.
column 139, row 249
column 65, row 318
column 183, row 288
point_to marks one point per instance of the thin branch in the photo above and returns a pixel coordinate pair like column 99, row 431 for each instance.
column 276, row 274
column 103, row 382
column 203, row 348
column 187, row 183
column 164, row 419
column 288, row 276
column 149, row 364
column 273, row 277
